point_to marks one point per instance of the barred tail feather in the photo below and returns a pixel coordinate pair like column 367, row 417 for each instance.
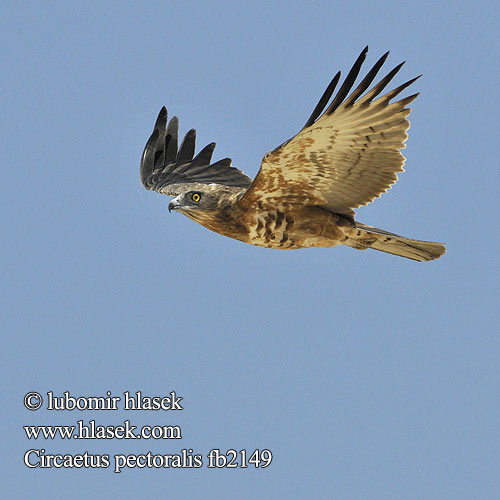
column 365, row 236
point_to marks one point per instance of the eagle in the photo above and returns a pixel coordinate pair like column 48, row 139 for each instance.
column 304, row 195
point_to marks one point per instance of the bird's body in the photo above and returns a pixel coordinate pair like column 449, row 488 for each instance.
column 292, row 227
column 286, row 228
column 305, row 192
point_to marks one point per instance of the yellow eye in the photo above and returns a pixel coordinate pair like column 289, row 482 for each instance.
column 195, row 197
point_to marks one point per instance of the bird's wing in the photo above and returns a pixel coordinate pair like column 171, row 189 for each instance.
column 169, row 169
column 346, row 155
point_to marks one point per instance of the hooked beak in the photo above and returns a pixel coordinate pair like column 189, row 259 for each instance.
column 174, row 205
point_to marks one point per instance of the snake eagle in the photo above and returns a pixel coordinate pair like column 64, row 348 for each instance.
column 346, row 155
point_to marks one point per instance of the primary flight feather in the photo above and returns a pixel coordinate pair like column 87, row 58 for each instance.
column 304, row 195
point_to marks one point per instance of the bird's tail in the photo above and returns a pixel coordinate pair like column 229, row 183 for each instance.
column 363, row 236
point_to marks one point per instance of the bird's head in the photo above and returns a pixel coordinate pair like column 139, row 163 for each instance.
column 196, row 199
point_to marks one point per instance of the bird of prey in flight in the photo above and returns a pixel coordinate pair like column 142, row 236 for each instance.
column 304, row 195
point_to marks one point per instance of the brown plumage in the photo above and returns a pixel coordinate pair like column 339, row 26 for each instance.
column 346, row 155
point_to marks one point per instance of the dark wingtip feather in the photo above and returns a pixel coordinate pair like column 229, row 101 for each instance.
column 161, row 125
column 393, row 93
column 187, row 147
column 409, row 99
column 367, row 80
column 161, row 121
column 323, row 101
column 348, row 82
column 204, row 156
column 375, row 91
column 148, row 156
column 225, row 162
column 171, row 139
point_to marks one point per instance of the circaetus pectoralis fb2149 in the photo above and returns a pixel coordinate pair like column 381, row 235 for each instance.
column 346, row 155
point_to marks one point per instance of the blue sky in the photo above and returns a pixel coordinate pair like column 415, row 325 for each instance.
column 367, row 376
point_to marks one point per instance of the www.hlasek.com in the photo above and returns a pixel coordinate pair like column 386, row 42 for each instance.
column 185, row 458
column 91, row 430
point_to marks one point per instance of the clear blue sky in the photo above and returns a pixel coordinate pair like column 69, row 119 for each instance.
column 366, row 375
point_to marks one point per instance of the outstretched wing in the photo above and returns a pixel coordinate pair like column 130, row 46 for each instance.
column 346, row 155
column 168, row 169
